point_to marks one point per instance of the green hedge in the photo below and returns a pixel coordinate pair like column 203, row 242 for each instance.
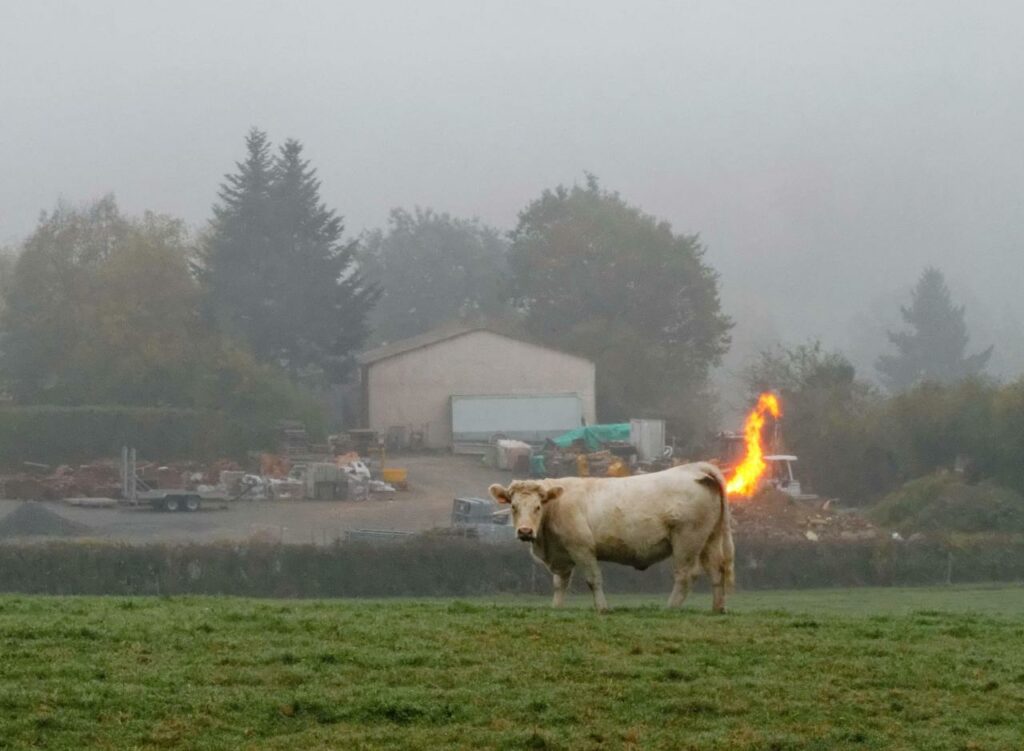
column 54, row 435
column 454, row 568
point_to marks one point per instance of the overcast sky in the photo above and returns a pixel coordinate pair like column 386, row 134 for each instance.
column 825, row 151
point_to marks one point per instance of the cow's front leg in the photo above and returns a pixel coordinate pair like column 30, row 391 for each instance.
column 680, row 589
column 561, row 582
column 587, row 563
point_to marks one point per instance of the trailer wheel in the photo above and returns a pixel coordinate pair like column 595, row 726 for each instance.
column 192, row 503
column 172, row 503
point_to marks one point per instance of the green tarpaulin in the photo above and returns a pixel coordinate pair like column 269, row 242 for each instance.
column 594, row 436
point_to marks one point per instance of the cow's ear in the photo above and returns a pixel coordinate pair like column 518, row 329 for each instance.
column 553, row 492
column 499, row 493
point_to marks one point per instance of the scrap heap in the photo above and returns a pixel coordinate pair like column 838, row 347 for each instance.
column 102, row 479
column 774, row 515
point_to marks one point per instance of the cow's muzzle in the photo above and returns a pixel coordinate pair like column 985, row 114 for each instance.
column 525, row 534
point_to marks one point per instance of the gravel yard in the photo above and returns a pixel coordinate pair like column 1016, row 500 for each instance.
column 433, row 482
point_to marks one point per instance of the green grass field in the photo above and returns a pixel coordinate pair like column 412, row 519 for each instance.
column 828, row 669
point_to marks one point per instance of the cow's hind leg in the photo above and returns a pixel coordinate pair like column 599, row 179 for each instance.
column 715, row 562
column 684, row 563
column 561, row 581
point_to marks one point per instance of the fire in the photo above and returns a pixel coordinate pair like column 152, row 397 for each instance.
column 745, row 479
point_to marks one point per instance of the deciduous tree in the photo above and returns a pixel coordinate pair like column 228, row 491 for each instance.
column 102, row 309
column 600, row 277
column 432, row 268
column 830, row 420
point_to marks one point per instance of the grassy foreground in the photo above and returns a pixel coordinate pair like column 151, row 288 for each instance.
column 876, row 669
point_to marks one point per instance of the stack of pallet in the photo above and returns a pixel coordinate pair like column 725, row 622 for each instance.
column 294, row 441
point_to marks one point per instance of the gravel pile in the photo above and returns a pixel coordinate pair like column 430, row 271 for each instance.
column 35, row 520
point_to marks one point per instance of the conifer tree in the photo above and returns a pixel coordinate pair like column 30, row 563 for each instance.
column 934, row 347
column 232, row 264
column 321, row 301
column 275, row 271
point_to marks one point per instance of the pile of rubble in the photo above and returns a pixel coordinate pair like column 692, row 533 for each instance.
column 277, row 477
column 41, row 483
column 102, row 479
column 774, row 515
column 35, row 520
column 340, row 478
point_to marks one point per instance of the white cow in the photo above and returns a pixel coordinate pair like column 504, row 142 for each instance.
column 637, row 521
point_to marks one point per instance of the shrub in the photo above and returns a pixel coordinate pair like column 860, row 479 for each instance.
column 427, row 567
column 944, row 502
column 1007, row 442
column 856, row 444
column 928, row 427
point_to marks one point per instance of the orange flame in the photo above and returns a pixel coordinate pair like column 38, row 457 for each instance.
column 745, row 479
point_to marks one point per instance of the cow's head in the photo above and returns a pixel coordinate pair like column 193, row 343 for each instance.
column 528, row 500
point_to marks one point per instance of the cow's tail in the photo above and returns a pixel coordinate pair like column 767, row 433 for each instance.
column 719, row 550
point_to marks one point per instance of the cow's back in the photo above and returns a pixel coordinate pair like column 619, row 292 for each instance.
column 630, row 520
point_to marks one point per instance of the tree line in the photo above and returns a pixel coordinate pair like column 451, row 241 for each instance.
column 270, row 301
column 271, row 298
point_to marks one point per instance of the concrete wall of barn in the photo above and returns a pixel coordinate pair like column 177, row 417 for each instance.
column 413, row 390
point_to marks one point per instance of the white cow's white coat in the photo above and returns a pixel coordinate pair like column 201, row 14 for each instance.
column 574, row 522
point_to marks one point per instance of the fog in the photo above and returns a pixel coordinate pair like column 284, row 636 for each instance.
column 825, row 152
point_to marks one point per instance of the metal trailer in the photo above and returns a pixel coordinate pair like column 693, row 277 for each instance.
column 136, row 492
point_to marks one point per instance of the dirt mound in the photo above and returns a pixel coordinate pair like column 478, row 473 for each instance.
column 33, row 519
column 774, row 515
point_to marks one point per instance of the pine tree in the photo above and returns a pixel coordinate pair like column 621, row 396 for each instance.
column 233, row 264
column 934, row 348
column 275, row 272
column 320, row 301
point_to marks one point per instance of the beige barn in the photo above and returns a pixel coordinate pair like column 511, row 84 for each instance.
column 458, row 386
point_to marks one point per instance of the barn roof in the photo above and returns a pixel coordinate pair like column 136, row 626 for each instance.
column 441, row 334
